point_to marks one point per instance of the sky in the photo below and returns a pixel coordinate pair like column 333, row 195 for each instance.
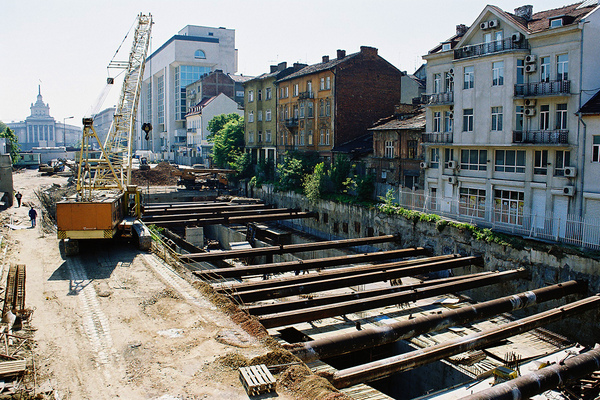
column 66, row 45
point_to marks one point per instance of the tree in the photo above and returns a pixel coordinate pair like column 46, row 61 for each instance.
column 242, row 164
column 219, row 121
column 13, row 144
column 2, row 126
column 227, row 141
column 339, row 172
column 314, row 183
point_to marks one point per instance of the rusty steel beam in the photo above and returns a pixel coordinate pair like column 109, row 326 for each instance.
column 368, row 338
column 370, row 277
column 193, row 209
column 274, row 268
column 216, row 214
column 547, row 378
column 352, row 306
column 384, row 368
column 325, row 275
column 288, row 248
column 154, row 206
column 234, row 220
column 264, row 309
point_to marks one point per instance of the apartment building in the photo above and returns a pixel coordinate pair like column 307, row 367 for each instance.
column 503, row 144
column 590, row 165
column 333, row 102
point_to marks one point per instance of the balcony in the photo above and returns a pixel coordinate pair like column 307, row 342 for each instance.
column 437, row 137
column 438, row 99
column 559, row 136
column 497, row 46
column 551, row 88
column 306, row 95
column 291, row 122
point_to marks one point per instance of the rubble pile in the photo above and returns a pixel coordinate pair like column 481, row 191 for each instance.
column 160, row 175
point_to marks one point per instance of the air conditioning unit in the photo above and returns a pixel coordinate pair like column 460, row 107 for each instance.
column 452, row 180
column 493, row 23
column 529, row 112
column 569, row 190
column 570, row 172
column 484, row 25
column 530, row 59
column 530, row 68
column 424, row 165
column 530, row 103
column 517, row 37
column 452, row 164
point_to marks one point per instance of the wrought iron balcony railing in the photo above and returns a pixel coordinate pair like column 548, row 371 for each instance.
column 306, row 95
column 543, row 89
column 496, row 46
column 291, row 122
column 558, row 136
column 435, row 137
column 440, row 98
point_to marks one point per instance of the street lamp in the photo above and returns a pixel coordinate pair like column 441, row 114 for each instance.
column 65, row 131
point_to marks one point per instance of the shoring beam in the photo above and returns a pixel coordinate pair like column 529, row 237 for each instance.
column 234, row 220
column 326, row 275
column 198, row 210
column 352, row 306
column 354, row 341
column 384, row 368
column 547, row 378
column 288, row 248
column 334, row 283
column 194, row 216
column 201, row 204
column 264, row 309
column 274, row 268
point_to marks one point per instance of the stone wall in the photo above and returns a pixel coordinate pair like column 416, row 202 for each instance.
column 547, row 264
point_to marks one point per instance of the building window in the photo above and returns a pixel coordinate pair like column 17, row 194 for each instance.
column 260, row 136
column 447, row 121
column 596, row 148
column 259, row 115
column 321, row 108
column 561, row 116
column 328, row 107
column 268, row 115
column 259, row 96
column 328, row 83
column 544, row 117
column 302, row 137
column 268, row 94
column 296, row 110
column 556, row 23
column 434, row 159
column 250, row 137
column 200, row 54
column 540, row 162
column 284, row 92
column 322, row 86
column 474, row 160
column 310, row 137
column 510, row 161
column 250, row 96
column 469, row 78
column 149, row 102
column 322, row 137
column 184, row 76
column 449, row 78
column 296, row 90
column 468, row 120
column 545, row 69
column 389, row 149
column 437, row 83
column 437, row 121
column 562, row 160
column 498, row 73
column 251, row 116
column 519, row 118
column 268, row 136
column 326, row 136
column 520, row 72
column 309, row 86
column 471, row 202
column 508, row 206
column 562, row 67
column 160, row 99
column 448, row 156
column 411, row 147
column 311, row 112
column 496, row 118
column 301, row 110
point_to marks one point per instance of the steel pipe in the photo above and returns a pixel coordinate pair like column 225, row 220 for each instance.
column 204, row 209
column 377, row 276
column 200, row 216
column 234, row 220
column 359, row 340
column 403, row 362
column 236, row 272
column 288, row 248
column 547, row 378
column 352, row 306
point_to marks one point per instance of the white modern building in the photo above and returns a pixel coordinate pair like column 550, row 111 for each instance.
column 102, row 123
column 183, row 59
column 198, row 147
column 504, row 144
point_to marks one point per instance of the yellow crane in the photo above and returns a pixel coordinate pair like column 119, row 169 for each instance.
column 106, row 204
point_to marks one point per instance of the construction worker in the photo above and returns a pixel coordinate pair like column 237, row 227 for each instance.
column 19, row 196
column 32, row 216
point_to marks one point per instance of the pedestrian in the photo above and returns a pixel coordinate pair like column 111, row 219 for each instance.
column 32, row 216
column 19, row 196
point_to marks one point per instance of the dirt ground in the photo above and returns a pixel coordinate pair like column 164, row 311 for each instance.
column 117, row 323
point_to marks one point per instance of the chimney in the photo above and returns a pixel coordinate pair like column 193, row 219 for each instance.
column 325, row 59
column 298, row 66
column 461, row 29
column 524, row 12
column 281, row 66
column 368, row 51
column 341, row 54
column 273, row 68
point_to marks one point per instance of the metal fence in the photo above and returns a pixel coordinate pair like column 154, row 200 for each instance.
column 570, row 229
